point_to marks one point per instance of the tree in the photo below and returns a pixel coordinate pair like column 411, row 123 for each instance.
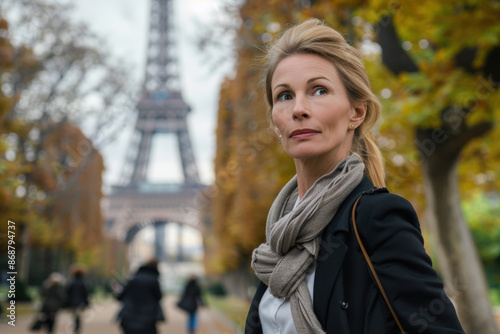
column 246, row 177
column 438, row 124
column 76, row 78
column 446, row 95
column 12, row 207
column 76, row 220
column 71, row 80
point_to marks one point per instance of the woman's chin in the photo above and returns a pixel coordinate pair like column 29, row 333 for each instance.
column 306, row 155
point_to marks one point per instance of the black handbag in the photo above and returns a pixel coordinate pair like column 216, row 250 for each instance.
column 187, row 304
column 160, row 316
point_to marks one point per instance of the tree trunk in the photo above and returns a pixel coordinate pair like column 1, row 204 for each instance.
column 462, row 270
column 239, row 282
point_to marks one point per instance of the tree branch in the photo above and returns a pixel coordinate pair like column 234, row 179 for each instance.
column 470, row 133
column 492, row 66
column 440, row 147
column 394, row 57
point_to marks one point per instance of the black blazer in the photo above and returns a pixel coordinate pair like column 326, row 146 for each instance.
column 141, row 298
column 345, row 298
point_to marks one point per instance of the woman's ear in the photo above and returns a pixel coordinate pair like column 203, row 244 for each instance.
column 277, row 132
column 359, row 114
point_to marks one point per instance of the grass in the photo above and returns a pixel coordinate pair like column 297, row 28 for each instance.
column 23, row 308
column 233, row 308
column 495, row 297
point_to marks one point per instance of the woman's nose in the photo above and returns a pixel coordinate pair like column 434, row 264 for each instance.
column 301, row 108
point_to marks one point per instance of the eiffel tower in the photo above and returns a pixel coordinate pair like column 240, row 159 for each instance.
column 136, row 203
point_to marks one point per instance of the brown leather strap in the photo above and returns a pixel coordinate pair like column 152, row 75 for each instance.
column 375, row 276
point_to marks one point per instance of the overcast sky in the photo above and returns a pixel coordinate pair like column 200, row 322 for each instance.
column 124, row 24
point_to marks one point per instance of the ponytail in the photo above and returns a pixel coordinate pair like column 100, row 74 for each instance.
column 369, row 152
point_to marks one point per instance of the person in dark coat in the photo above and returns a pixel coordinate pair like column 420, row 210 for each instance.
column 53, row 299
column 141, row 298
column 314, row 277
column 77, row 295
column 190, row 300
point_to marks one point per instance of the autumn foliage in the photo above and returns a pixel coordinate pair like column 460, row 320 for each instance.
column 250, row 165
column 70, row 173
column 435, row 67
column 50, row 173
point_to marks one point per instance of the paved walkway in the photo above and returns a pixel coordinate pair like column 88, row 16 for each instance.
column 99, row 319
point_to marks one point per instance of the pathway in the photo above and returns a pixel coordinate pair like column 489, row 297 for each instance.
column 99, row 319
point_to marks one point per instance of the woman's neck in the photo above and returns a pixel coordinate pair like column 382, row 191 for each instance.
column 308, row 171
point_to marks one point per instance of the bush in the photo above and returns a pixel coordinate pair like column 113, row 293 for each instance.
column 22, row 294
column 481, row 213
column 217, row 289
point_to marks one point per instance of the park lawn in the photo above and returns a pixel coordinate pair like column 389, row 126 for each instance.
column 233, row 308
column 494, row 295
column 23, row 308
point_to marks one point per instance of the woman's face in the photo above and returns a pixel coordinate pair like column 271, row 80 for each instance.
column 311, row 110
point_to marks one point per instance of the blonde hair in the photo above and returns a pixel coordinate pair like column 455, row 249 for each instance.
column 314, row 37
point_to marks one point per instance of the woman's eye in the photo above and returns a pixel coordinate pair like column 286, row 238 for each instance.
column 284, row 96
column 320, row 91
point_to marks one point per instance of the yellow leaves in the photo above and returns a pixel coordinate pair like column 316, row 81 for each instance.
column 433, row 33
column 416, row 82
column 55, row 194
column 90, row 257
column 246, row 161
column 488, row 40
column 418, row 100
column 436, row 88
column 44, row 232
column 376, row 10
column 481, row 113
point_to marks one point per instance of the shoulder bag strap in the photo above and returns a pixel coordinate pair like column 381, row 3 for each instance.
column 372, row 269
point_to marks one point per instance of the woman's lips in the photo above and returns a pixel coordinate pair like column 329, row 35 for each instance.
column 303, row 133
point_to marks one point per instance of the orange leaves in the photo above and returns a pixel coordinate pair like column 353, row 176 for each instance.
column 76, row 167
column 50, row 172
column 433, row 33
column 448, row 41
column 249, row 165
column 6, row 50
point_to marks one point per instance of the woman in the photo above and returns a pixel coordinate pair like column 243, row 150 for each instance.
column 141, row 298
column 77, row 295
column 314, row 279
column 189, row 302
column 53, row 299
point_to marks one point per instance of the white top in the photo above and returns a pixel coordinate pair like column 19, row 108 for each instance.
column 275, row 313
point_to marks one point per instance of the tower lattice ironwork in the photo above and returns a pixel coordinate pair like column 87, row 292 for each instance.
column 161, row 108
column 136, row 203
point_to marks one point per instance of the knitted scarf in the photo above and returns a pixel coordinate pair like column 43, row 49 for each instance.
column 293, row 238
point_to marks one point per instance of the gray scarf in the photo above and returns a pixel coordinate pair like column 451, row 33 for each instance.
column 293, row 238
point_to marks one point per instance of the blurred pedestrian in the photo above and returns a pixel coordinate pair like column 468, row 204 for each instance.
column 53, row 299
column 189, row 302
column 316, row 274
column 77, row 295
column 141, row 298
